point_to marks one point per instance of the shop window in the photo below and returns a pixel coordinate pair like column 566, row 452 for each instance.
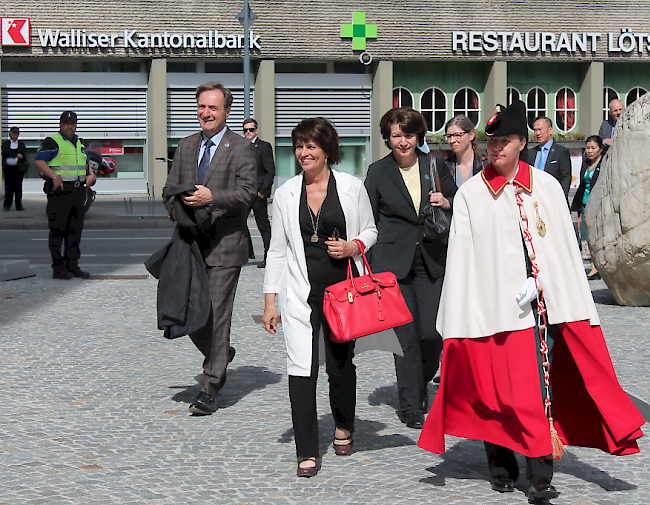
column 121, row 159
column 512, row 94
column 402, row 97
column 350, row 67
column 609, row 94
column 224, row 67
column 634, row 94
column 535, row 105
column 352, row 150
column 466, row 101
column 285, row 67
column 186, row 67
column 433, row 106
column 565, row 109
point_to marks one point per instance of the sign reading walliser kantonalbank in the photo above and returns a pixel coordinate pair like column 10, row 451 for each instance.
column 133, row 39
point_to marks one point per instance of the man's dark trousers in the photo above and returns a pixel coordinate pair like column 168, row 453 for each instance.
column 65, row 218
column 214, row 340
column 261, row 212
column 13, row 188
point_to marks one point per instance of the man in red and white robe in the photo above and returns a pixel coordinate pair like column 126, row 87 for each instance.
column 492, row 384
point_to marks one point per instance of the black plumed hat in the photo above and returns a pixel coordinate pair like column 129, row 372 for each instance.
column 508, row 121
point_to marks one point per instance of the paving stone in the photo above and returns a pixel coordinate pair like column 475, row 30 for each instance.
column 87, row 379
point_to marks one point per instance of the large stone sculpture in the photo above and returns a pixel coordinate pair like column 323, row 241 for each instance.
column 617, row 215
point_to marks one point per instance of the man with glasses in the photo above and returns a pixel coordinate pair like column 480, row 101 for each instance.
column 265, row 176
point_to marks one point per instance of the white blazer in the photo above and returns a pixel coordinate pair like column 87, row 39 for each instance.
column 286, row 267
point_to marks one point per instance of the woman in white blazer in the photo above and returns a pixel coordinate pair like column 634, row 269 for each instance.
column 304, row 257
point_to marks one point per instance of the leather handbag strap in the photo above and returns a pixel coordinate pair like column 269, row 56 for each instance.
column 366, row 265
column 433, row 173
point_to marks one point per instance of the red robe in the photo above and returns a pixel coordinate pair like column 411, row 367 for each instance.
column 490, row 386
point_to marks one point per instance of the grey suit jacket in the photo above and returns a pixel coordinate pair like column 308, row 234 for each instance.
column 232, row 179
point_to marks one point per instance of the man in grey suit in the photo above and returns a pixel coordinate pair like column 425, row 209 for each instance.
column 549, row 155
column 221, row 165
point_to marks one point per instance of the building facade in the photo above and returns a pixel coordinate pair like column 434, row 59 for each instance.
column 129, row 70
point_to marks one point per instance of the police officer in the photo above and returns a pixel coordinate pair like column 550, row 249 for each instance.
column 63, row 162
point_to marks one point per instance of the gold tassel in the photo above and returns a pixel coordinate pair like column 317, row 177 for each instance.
column 556, row 441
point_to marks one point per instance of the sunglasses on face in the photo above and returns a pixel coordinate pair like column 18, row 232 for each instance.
column 249, row 130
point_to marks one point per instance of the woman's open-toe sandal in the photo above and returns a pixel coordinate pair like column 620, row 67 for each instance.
column 343, row 449
column 308, row 471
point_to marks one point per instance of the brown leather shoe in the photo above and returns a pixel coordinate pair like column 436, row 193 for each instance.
column 307, row 471
column 343, row 449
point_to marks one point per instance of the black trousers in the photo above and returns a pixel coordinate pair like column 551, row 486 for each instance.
column 13, row 188
column 502, row 463
column 342, row 378
column 261, row 212
column 214, row 340
column 65, row 218
column 420, row 341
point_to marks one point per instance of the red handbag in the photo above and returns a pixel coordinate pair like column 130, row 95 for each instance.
column 360, row 306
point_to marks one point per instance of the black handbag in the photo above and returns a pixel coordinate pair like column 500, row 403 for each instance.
column 435, row 220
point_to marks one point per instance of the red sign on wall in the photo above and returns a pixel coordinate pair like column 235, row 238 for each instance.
column 16, row 32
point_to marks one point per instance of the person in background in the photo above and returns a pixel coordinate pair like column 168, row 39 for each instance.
column 265, row 176
column 321, row 218
column 465, row 161
column 588, row 176
column 399, row 187
column 14, row 167
column 606, row 131
column 63, row 162
column 549, row 156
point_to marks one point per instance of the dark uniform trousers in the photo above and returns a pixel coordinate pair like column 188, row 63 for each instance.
column 214, row 340
column 65, row 218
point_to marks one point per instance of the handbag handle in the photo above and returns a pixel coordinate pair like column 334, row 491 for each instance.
column 366, row 265
column 435, row 176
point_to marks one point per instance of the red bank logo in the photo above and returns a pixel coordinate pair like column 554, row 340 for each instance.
column 16, row 32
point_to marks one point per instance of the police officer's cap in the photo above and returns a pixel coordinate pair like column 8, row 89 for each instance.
column 508, row 121
column 68, row 116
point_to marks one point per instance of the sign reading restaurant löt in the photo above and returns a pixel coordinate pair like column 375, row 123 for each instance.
column 626, row 41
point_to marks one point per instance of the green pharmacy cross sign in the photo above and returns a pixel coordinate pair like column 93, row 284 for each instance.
column 359, row 31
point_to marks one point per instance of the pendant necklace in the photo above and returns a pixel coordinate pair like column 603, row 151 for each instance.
column 314, row 225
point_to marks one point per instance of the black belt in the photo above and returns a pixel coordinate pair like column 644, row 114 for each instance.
column 73, row 184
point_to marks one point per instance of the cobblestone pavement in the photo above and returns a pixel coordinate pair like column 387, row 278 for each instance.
column 95, row 412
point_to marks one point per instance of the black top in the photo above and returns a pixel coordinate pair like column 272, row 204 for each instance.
column 321, row 267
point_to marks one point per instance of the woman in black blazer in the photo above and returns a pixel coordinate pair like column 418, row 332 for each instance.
column 399, row 187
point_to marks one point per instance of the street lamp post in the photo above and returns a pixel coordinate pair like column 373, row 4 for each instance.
column 247, row 17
